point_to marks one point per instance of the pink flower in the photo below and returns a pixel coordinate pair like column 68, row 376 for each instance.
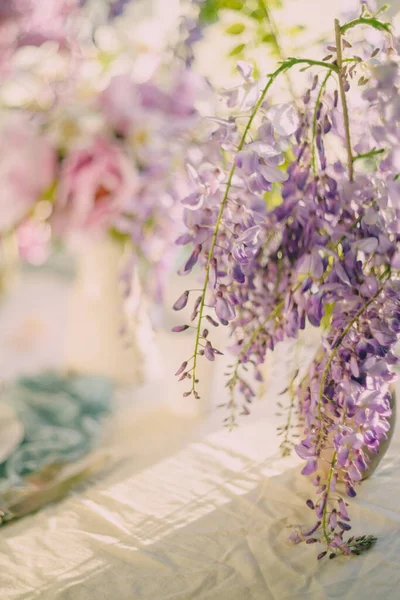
column 96, row 183
column 27, row 169
column 34, row 242
column 28, row 22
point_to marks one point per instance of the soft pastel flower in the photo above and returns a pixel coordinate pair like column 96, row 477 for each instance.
column 34, row 241
column 27, row 170
column 96, row 184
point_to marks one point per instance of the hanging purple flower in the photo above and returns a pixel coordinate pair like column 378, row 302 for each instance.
column 181, row 302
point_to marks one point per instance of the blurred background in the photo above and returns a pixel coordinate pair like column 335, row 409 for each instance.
column 111, row 85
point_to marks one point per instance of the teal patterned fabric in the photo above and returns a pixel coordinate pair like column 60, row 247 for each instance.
column 62, row 417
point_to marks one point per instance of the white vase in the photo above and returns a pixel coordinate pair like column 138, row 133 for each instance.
column 97, row 314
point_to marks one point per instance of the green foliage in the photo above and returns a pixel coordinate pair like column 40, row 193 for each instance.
column 256, row 19
column 237, row 50
column 210, row 9
column 235, row 29
column 250, row 8
column 326, row 319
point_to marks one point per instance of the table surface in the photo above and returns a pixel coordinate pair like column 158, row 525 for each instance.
column 188, row 511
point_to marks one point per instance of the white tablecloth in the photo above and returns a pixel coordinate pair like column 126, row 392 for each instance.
column 190, row 515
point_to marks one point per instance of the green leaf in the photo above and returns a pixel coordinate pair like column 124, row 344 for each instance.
column 296, row 30
column 209, row 11
column 235, row 29
column 273, row 198
column 258, row 15
column 49, row 194
column 118, row 236
column 232, row 4
column 237, row 50
column 268, row 38
column 326, row 319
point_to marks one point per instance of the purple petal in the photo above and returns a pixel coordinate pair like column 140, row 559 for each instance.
column 224, row 310
column 248, row 161
column 192, row 260
column 186, row 238
column 181, row 302
column 319, row 510
column 343, row 510
column 350, row 491
column 333, row 519
column 368, row 245
column 342, row 456
column 209, row 352
column 354, row 367
column 360, row 462
column 369, row 287
column 285, row 119
column 181, row 368
column 272, row 174
column 250, row 236
column 238, row 273
column 303, row 451
column 245, row 69
column 310, row 467
column 213, row 272
column 194, row 201
column 341, row 273
column 179, row 328
column 315, row 310
column 212, row 321
column 316, row 266
column 354, row 473
column 312, row 530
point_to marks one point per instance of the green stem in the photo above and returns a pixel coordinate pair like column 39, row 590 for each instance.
column 314, row 127
column 370, row 154
column 338, row 35
column 324, row 514
column 371, row 21
column 291, row 61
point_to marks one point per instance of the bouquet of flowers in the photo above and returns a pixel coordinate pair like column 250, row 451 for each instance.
column 98, row 145
column 294, row 218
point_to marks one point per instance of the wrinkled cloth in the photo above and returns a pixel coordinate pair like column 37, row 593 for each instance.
column 61, row 416
column 208, row 522
column 182, row 514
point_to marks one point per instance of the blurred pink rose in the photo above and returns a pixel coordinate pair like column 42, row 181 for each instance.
column 27, row 168
column 96, row 184
column 34, row 17
column 45, row 20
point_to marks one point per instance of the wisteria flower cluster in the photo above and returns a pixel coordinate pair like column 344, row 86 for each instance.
column 99, row 151
column 326, row 254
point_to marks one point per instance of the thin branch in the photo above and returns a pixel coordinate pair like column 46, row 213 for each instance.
column 371, row 21
column 338, row 34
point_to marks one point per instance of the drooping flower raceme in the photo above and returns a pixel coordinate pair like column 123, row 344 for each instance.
column 296, row 220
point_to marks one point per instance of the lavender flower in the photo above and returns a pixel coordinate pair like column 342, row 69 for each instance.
column 326, row 254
